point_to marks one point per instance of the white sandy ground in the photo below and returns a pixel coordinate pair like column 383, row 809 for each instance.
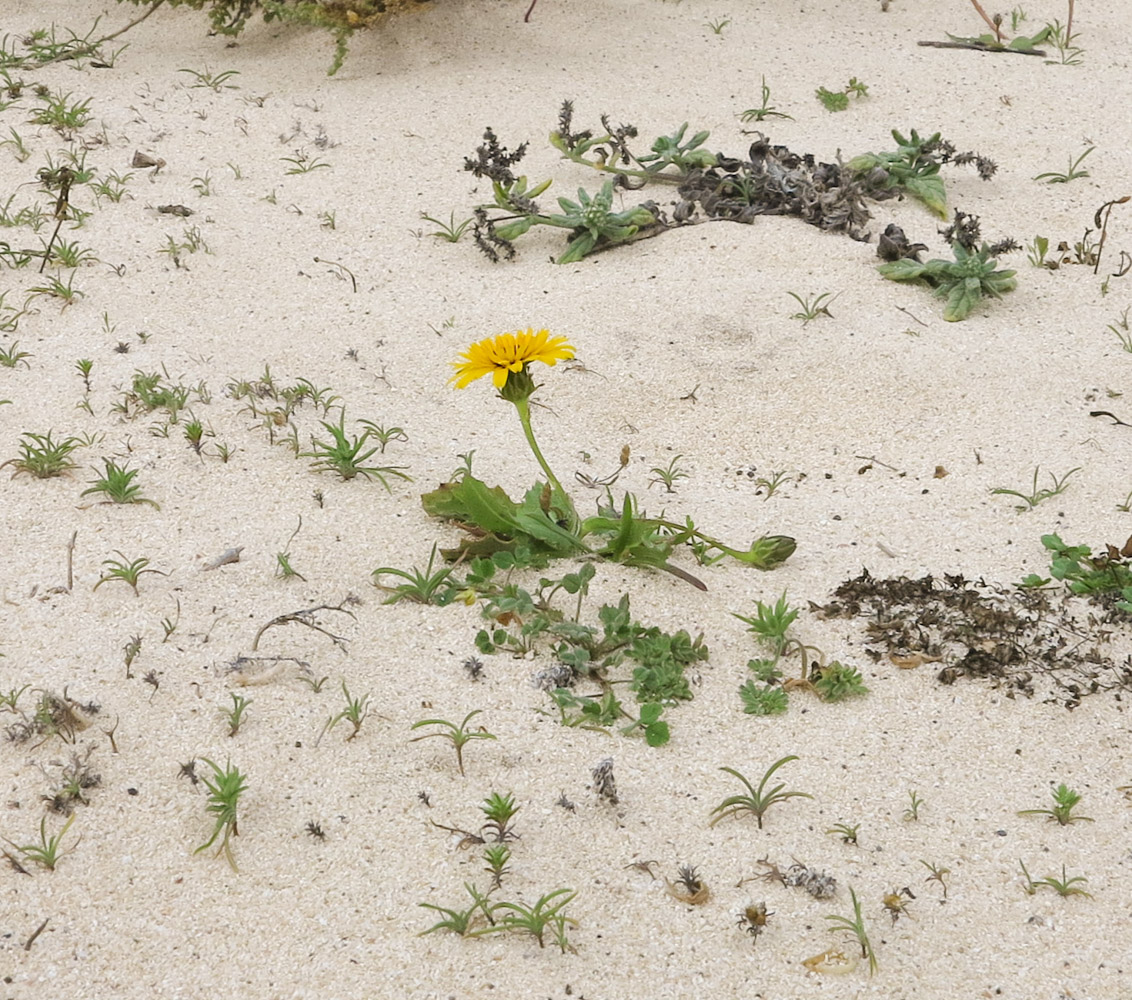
column 133, row 913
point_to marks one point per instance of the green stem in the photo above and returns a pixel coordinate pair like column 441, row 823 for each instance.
column 524, row 408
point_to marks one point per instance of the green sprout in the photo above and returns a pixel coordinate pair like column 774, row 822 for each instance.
column 759, row 800
column 1064, row 801
column 457, row 735
column 963, row 282
column 224, row 790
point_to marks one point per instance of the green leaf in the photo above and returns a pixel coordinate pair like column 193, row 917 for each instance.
column 904, row 269
column 657, row 734
column 929, row 190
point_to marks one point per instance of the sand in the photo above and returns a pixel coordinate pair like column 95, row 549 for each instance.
column 688, row 350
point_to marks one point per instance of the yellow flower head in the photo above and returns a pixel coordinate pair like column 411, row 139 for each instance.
column 506, row 353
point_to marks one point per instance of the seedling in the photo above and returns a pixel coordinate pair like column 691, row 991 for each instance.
column 302, row 163
column 848, row 833
column 856, row 927
column 83, row 366
column 345, row 455
column 355, row 712
column 131, row 651
column 718, row 24
column 766, row 110
column 1064, row 799
column 1119, row 329
column 457, row 735
column 912, row 813
column 536, row 919
column 48, row 851
column 499, row 810
column 1036, row 496
column 771, row 623
column 838, row 100
column 224, row 790
column 117, row 486
column 938, row 874
column 1072, row 174
column 668, row 475
column 420, row 587
column 763, row 700
column 127, row 572
column 461, row 922
column 963, row 281
column 234, row 716
column 57, row 289
column 1063, row 887
column 451, row 231
column 42, row 457
column 1062, row 38
column 813, row 306
column 837, row 681
column 759, row 800
column 497, row 856
column 13, row 357
column 283, row 568
column 59, row 114
column 212, row 81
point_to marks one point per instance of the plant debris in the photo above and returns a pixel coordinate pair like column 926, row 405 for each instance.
column 1028, row 641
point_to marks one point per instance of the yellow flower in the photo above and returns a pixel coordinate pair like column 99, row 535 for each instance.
column 506, row 353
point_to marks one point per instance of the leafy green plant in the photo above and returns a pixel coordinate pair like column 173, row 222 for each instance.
column 718, row 24
column 836, row 681
column 535, row 920
column 1065, row 886
column 48, row 851
column 456, row 735
column 497, row 856
column 127, row 572
column 847, row 832
column 592, row 221
column 422, row 587
column 234, row 716
column 838, row 100
column 303, row 163
column 765, row 110
column 813, row 306
column 225, row 787
column 912, row 813
column 59, row 114
column 963, row 281
column 461, row 922
column 856, row 927
column 212, row 81
column 758, row 800
column 355, row 713
column 450, row 231
column 1072, row 174
column 117, row 485
column 13, row 357
column 43, row 458
column 499, row 810
column 1064, row 801
column 1086, row 574
column 59, row 289
column 1036, row 496
column 1062, row 38
column 771, row 622
column 1119, row 329
column 346, row 455
column 667, row 475
column 763, row 699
